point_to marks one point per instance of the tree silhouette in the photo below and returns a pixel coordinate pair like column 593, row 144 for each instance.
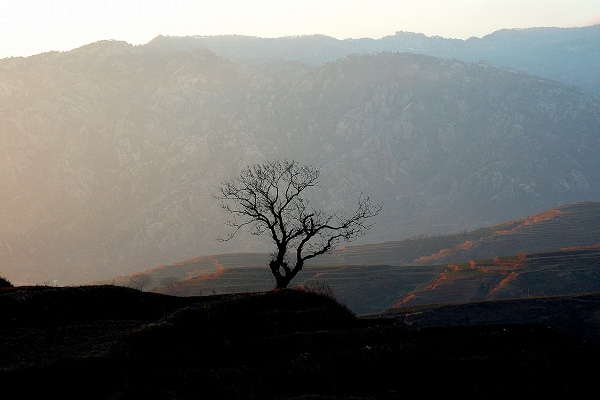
column 269, row 199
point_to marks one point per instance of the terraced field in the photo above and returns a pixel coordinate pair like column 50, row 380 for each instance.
column 553, row 252
column 525, row 275
column 567, row 226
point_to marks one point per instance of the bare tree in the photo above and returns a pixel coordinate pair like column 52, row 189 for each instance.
column 269, row 199
column 140, row 281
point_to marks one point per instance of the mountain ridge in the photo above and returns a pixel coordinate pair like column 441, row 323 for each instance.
column 553, row 48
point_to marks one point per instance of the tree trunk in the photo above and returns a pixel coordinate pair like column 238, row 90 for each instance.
column 283, row 280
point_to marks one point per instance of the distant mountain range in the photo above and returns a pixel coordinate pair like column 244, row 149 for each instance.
column 551, row 253
column 109, row 153
column 567, row 55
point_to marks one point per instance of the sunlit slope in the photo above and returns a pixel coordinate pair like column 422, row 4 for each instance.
column 566, row 226
column 519, row 276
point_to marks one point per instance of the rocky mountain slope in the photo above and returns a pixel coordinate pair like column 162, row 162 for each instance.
column 109, row 153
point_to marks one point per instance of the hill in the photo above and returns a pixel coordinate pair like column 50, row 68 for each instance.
column 109, row 153
column 549, row 253
column 107, row 342
column 574, row 314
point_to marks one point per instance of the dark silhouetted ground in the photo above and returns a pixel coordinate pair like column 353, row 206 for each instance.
column 110, row 342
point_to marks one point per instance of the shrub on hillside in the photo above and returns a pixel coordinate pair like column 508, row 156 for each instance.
column 316, row 287
column 323, row 290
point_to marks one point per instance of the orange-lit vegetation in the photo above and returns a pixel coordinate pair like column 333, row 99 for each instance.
column 534, row 219
column 445, row 253
column 512, row 276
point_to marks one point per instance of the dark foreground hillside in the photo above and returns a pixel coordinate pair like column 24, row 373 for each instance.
column 110, row 342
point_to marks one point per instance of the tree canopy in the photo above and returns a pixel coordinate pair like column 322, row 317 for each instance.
column 270, row 199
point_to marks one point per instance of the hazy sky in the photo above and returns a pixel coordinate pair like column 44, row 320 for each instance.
column 35, row 26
